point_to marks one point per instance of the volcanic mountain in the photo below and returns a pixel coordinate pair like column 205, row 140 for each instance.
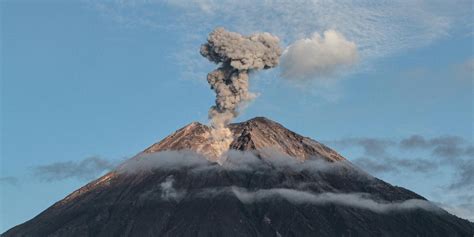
column 273, row 182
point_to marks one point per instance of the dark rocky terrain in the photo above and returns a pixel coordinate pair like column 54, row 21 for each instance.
column 263, row 199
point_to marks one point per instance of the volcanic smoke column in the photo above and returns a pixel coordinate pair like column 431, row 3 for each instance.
column 236, row 55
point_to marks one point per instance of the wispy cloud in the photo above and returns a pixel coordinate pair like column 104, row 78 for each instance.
column 10, row 180
column 468, row 65
column 390, row 164
column 465, row 70
column 378, row 153
column 465, row 175
column 358, row 200
column 355, row 200
column 168, row 191
column 85, row 169
column 371, row 146
column 449, row 153
column 444, row 146
column 378, row 29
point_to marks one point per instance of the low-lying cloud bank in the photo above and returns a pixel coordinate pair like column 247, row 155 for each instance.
column 92, row 167
column 233, row 161
column 248, row 161
column 168, row 190
column 356, row 200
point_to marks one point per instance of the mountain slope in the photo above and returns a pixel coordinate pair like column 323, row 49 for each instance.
column 284, row 185
column 255, row 134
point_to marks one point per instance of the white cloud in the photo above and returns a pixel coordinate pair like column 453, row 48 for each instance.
column 318, row 56
column 248, row 162
column 234, row 160
column 356, row 200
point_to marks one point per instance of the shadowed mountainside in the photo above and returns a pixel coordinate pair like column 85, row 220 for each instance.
column 300, row 198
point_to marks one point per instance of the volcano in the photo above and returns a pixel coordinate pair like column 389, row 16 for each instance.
column 273, row 182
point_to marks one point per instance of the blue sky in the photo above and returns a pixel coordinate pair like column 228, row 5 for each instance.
column 107, row 79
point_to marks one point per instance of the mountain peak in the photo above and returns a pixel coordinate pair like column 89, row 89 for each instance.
column 260, row 135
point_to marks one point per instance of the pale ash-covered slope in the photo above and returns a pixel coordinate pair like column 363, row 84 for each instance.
column 119, row 204
column 260, row 135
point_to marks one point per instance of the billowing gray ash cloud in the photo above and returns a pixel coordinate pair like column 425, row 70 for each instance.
column 237, row 55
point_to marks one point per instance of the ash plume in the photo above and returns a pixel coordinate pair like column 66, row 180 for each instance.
column 237, row 56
